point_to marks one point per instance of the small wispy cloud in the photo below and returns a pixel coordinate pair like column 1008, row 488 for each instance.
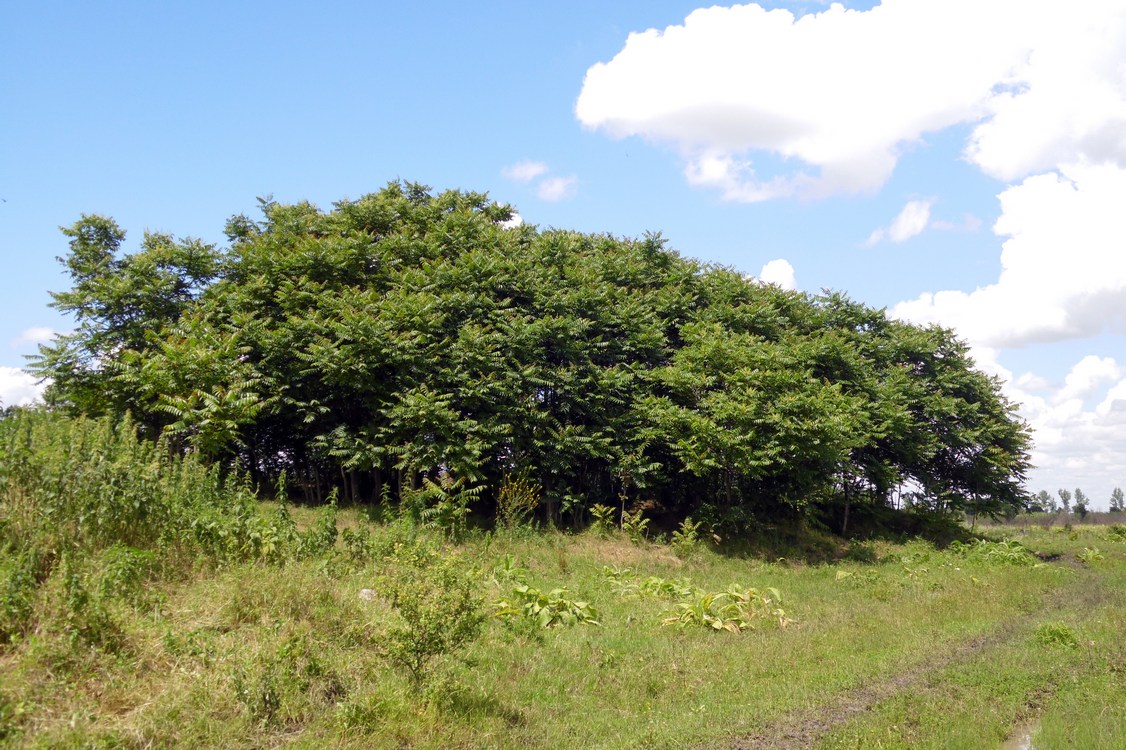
column 910, row 222
column 969, row 223
column 558, row 188
column 524, row 171
column 33, row 335
column 547, row 188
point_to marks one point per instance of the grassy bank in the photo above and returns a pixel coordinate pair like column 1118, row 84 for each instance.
column 148, row 603
column 901, row 646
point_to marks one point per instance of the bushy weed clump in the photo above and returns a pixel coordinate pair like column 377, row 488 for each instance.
column 1006, row 552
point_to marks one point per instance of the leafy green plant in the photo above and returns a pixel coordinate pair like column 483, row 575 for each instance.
column 287, row 683
column 437, row 606
column 443, row 504
column 547, row 610
column 1006, row 552
column 122, row 573
column 733, row 610
column 635, row 526
column 686, row 539
column 18, row 590
column 1090, row 555
column 624, row 583
column 1116, row 532
column 321, row 537
column 603, row 523
column 85, row 618
column 507, row 570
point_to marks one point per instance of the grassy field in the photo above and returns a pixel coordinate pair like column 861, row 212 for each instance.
column 866, row 645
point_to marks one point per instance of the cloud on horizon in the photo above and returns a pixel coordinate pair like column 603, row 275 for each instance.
column 18, row 388
column 778, row 272
column 833, row 99
column 1063, row 265
column 1079, row 425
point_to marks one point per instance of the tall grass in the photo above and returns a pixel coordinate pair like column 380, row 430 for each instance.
column 83, row 494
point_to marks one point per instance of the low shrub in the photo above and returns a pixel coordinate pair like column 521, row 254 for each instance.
column 439, row 610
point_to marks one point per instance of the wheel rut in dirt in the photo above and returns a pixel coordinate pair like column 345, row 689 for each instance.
column 804, row 728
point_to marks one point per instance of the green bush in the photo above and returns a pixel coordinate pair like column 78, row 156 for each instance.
column 94, row 483
column 438, row 609
column 686, row 539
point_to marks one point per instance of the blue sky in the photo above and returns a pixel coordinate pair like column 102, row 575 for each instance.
column 954, row 161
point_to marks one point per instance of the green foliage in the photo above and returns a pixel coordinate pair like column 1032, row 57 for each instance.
column 438, row 608
column 546, row 610
column 733, row 610
column 686, row 539
column 276, row 688
column 1090, row 555
column 123, row 572
column 442, row 505
column 508, row 570
column 410, row 336
column 19, row 581
column 321, row 537
column 635, row 526
column 1117, row 532
column 1007, row 552
column 603, row 523
column 624, row 583
column 97, row 484
column 85, row 617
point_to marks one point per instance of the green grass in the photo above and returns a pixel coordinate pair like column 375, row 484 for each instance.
column 234, row 623
column 921, row 648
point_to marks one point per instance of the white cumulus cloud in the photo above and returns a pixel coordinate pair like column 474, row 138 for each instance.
column 1063, row 265
column 778, row 272
column 838, row 95
column 911, row 221
column 1075, row 445
column 524, row 171
column 18, row 388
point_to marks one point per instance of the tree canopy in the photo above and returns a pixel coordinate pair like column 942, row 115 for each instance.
column 408, row 334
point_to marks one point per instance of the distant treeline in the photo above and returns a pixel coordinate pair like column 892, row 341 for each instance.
column 411, row 335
